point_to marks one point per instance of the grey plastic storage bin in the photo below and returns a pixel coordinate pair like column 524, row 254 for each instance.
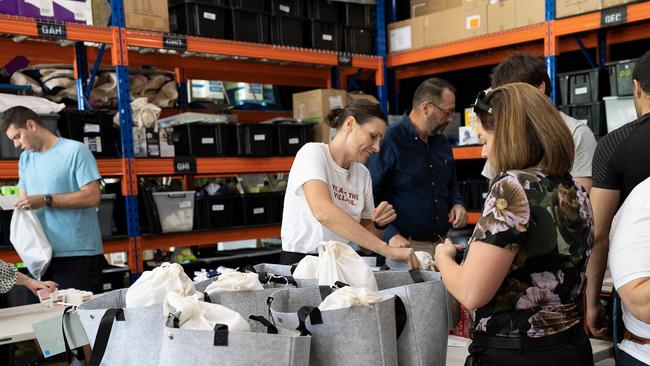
column 105, row 213
column 7, row 148
column 175, row 210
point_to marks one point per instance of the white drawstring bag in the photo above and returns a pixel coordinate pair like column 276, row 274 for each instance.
column 235, row 281
column 152, row 287
column 347, row 297
column 307, row 267
column 30, row 242
column 339, row 262
column 190, row 313
column 426, row 260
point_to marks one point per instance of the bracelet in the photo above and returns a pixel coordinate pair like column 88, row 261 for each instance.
column 378, row 227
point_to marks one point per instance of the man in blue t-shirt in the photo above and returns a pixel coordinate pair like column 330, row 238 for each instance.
column 58, row 178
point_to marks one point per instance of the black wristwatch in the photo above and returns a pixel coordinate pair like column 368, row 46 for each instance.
column 48, row 200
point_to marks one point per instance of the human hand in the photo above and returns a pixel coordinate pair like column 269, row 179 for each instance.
column 597, row 319
column 384, row 214
column 34, row 285
column 458, row 216
column 31, row 202
column 447, row 249
column 404, row 254
column 399, row 241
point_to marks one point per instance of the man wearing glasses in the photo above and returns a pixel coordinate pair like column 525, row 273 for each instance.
column 415, row 171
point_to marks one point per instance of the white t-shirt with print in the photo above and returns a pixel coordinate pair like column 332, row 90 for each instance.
column 629, row 258
column 350, row 189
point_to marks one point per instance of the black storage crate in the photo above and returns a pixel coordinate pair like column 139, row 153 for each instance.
column 287, row 31
column 94, row 129
column 197, row 18
column 213, row 212
column 153, row 142
column 203, row 139
column 323, row 10
column 290, row 8
column 252, row 5
column 5, row 225
column 255, row 139
column 247, row 26
column 291, row 136
column 261, row 208
column 620, row 77
column 359, row 15
column 8, row 149
column 359, row 40
column 591, row 113
column 585, row 86
column 114, row 277
column 326, row 36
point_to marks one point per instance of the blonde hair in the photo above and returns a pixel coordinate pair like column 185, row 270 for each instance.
column 528, row 130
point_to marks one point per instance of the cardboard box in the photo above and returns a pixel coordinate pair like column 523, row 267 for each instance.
column 361, row 96
column 151, row 15
column 314, row 105
column 566, row 8
column 528, row 12
column 473, row 21
column 406, row 35
column 424, row 7
column 441, row 27
column 475, row 3
column 501, row 16
column 612, row 3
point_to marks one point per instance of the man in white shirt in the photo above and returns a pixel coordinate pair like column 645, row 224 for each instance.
column 629, row 263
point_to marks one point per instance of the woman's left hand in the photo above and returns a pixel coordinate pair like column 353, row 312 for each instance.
column 384, row 214
column 447, row 249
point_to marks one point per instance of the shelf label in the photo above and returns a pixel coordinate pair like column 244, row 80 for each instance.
column 259, row 137
column 184, row 165
column 258, row 210
column 218, row 207
column 174, row 42
column 345, row 59
column 613, row 16
column 50, row 29
column 294, row 141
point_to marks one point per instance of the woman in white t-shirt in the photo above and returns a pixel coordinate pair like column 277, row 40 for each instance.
column 329, row 192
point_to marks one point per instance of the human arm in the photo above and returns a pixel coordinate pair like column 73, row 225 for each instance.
column 604, row 203
column 477, row 280
column 585, row 182
column 380, row 166
column 457, row 213
column 458, row 216
column 337, row 220
column 7, row 276
column 87, row 196
column 585, row 146
column 34, row 285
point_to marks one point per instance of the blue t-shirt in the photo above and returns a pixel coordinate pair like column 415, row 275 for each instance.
column 64, row 168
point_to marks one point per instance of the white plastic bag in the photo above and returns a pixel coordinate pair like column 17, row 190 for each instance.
column 426, row 260
column 30, row 242
column 198, row 315
column 152, row 287
column 347, row 297
column 339, row 262
column 307, row 267
column 235, row 281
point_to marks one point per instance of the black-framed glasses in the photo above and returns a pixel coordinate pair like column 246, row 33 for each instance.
column 480, row 105
column 446, row 113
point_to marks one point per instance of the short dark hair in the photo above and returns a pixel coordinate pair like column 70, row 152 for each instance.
column 522, row 68
column 431, row 90
column 18, row 116
column 641, row 72
column 362, row 110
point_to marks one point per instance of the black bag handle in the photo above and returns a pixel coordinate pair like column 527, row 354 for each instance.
column 325, row 291
column 293, row 268
column 311, row 313
column 103, row 335
column 173, row 321
column 400, row 316
column 265, row 278
column 270, row 328
column 220, row 335
column 68, row 352
column 206, row 297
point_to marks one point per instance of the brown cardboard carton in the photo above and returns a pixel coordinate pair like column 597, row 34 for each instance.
column 473, row 21
column 361, row 96
column 314, row 105
column 528, row 12
column 474, row 3
column 565, row 8
column 443, row 26
column 424, row 7
column 501, row 16
column 147, row 15
column 406, row 35
column 611, row 3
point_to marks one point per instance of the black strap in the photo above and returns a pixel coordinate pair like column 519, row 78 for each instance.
column 265, row 278
column 206, row 297
column 270, row 328
column 173, row 321
column 103, row 334
column 304, row 313
column 339, row 284
column 400, row 316
column 293, row 268
column 220, row 335
column 68, row 352
column 247, row 268
column 416, row 276
column 325, row 291
column 384, row 268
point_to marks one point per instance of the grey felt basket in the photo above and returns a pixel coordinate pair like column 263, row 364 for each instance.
column 359, row 335
column 134, row 334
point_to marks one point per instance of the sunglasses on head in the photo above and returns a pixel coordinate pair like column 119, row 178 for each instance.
column 480, row 105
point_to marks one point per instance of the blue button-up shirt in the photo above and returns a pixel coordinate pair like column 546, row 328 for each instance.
column 418, row 178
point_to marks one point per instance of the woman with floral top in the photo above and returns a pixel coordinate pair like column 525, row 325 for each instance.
column 9, row 276
column 524, row 271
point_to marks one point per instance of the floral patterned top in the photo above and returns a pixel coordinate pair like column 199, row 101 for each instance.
column 550, row 221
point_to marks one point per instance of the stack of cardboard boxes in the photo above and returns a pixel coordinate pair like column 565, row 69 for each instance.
column 434, row 22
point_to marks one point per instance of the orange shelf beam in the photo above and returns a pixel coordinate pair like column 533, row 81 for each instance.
column 473, row 217
column 217, row 165
column 107, row 167
column 467, row 152
column 491, row 41
column 208, row 237
column 9, row 255
column 75, row 32
column 590, row 22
